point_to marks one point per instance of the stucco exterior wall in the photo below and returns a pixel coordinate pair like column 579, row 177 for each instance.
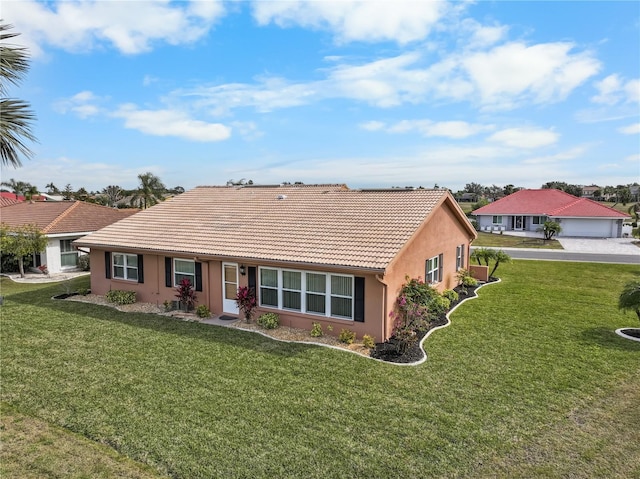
column 51, row 255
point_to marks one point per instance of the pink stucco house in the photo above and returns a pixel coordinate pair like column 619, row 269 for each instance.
column 313, row 253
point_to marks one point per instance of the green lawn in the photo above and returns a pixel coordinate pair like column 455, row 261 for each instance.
column 529, row 381
column 494, row 240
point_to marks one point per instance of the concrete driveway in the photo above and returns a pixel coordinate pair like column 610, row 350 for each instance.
column 600, row 246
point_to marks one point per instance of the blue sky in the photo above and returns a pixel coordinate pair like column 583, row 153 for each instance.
column 371, row 94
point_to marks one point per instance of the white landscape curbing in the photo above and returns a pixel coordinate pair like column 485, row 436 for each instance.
column 626, row 336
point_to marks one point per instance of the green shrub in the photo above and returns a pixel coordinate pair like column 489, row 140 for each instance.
column 84, row 262
column 469, row 281
column 202, row 311
column 439, row 305
column 451, row 295
column 83, row 291
column 368, row 341
column 168, row 305
column 120, row 297
column 269, row 320
column 316, row 330
column 347, row 336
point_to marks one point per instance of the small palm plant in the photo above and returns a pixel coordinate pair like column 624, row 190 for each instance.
column 629, row 299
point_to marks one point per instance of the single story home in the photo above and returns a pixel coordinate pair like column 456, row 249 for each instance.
column 61, row 222
column 313, row 253
column 527, row 210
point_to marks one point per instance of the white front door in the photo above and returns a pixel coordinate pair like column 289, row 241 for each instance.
column 229, row 288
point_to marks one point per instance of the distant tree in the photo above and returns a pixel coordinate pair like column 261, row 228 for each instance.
column 113, row 194
column 629, row 299
column 17, row 116
column 178, row 190
column 18, row 188
column 30, row 192
column 475, row 188
column 508, row 189
column 150, row 191
column 623, row 194
column 479, row 204
column 67, row 193
column 52, row 189
column 550, row 229
column 575, row 190
column 493, row 191
column 82, row 194
column 21, row 241
column 597, row 193
column 634, row 211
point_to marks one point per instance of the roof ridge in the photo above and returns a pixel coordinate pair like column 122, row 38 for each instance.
column 50, row 226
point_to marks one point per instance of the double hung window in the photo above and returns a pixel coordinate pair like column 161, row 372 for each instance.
column 433, row 269
column 184, row 269
column 460, row 256
column 125, row 266
column 68, row 255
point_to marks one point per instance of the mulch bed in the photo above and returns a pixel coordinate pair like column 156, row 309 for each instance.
column 388, row 351
column 633, row 332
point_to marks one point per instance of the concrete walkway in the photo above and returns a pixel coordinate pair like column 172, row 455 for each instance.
column 44, row 278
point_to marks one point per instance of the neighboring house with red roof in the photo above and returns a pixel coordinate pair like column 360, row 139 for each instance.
column 62, row 222
column 527, row 210
column 313, row 253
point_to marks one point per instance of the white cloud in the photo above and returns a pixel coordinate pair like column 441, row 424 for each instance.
column 561, row 156
column 633, row 159
column 633, row 129
column 83, row 104
column 400, row 21
column 428, row 128
column 614, row 90
column 514, row 72
column 171, row 123
column 130, row 27
column 526, row 138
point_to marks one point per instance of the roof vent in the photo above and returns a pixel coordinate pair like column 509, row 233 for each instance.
column 282, row 197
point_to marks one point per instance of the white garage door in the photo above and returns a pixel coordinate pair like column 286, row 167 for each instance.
column 587, row 228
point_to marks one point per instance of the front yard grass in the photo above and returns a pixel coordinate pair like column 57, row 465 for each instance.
column 496, row 240
column 528, row 381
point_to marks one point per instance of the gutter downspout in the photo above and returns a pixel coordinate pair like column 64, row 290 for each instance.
column 384, row 307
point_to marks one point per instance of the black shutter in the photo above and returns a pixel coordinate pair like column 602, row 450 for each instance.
column 167, row 272
column 198, row 276
column 358, row 306
column 140, row 268
column 107, row 264
column 440, row 267
column 252, row 277
column 463, row 248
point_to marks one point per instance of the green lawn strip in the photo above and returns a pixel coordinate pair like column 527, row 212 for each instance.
column 32, row 449
column 198, row 401
column 494, row 240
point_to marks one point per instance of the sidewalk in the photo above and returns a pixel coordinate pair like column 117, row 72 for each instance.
column 44, row 278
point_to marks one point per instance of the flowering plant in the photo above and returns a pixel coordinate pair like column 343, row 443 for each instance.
column 186, row 294
column 44, row 269
column 246, row 301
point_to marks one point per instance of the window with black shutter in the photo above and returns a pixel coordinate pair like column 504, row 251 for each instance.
column 358, row 313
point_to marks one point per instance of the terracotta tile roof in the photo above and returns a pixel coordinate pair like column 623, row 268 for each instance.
column 327, row 225
column 57, row 217
column 4, row 201
column 548, row 202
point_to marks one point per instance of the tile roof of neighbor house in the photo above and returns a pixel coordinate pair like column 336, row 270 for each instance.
column 58, row 217
column 4, row 201
column 309, row 224
column 548, row 202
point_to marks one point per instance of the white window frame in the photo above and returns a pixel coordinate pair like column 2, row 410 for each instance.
column 67, row 252
column 283, row 289
column 460, row 256
column 328, row 293
column 432, row 270
column 125, row 267
column 496, row 219
column 176, row 283
column 538, row 220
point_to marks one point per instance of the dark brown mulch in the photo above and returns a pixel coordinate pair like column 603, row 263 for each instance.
column 633, row 332
column 389, row 350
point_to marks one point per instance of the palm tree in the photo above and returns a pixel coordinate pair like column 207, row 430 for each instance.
column 18, row 188
column 30, row 192
column 629, row 299
column 634, row 211
column 52, row 189
column 16, row 116
column 499, row 257
column 150, row 191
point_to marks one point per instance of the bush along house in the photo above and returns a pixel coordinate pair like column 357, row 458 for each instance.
column 313, row 253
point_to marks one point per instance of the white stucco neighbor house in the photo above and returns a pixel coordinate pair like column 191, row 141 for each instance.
column 527, row 210
column 62, row 222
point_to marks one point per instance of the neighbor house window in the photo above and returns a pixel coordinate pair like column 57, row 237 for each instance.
column 184, row 269
column 433, row 269
column 538, row 220
column 497, row 220
column 308, row 292
column 460, row 256
column 125, row 266
column 68, row 255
